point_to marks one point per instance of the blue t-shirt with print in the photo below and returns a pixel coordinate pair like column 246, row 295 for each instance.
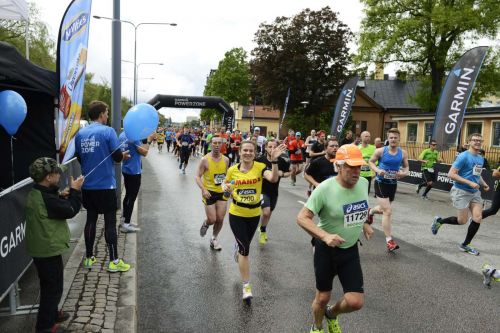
column 469, row 167
column 95, row 144
column 168, row 135
column 132, row 166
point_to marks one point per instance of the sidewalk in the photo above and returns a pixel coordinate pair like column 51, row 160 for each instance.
column 97, row 300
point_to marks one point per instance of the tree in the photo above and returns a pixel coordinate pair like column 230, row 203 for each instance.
column 42, row 48
column 426, row 37
column 231, row 81
column 307, row 53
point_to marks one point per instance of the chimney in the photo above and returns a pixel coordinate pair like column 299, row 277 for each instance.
column 379, row 70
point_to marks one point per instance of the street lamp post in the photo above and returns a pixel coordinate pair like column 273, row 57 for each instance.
column 136, row 26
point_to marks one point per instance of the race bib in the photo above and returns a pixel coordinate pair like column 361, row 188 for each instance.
column 184, row 143
column 476, row 171
column 247, row 195
column 390, row 174
column 355, row 214
column 431, row 170
column 365, row 168
column 219, row 178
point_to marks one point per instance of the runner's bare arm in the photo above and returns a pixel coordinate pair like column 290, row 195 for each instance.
column 273, row 175
column 305, row 221
column 202, row 168
column 453, row 175
column 310, row 179
column 406, row 166
column 375, row 157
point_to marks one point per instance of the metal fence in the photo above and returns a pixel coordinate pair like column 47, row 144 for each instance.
column 492, row 154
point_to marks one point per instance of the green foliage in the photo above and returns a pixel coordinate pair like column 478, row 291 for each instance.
column 42, row 48
column 426, row 37
column 308, row 53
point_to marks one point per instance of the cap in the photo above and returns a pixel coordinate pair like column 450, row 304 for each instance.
column 298, row 134
column 350, row 154
column 256, row 129
column 43, row 166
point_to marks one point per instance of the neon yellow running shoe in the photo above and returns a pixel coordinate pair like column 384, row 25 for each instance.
column 332, row 324
column 316, row 330
column 263, row 237
column 88, row 262
column 121, row 266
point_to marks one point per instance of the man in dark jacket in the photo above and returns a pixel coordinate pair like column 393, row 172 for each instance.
column 47, row 235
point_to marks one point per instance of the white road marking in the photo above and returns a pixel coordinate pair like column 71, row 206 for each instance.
column 301, row 202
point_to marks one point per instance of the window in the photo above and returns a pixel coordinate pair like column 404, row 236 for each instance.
column 387, row 126
column 495, row 133
column 411, row 132
column 428, row 128
column 474, row 127
column 364, row 125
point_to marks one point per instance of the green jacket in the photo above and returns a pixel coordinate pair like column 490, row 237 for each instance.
column 47, row 232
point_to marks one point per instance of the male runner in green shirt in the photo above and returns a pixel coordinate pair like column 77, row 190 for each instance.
column 428, row 157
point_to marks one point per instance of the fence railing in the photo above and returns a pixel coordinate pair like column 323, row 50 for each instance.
column 492, row 154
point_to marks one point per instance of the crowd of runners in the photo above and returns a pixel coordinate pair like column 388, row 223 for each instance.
column 245, row 169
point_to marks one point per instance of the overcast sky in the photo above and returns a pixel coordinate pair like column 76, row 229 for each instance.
column 205, row 31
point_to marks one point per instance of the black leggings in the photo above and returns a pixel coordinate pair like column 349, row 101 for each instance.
column 132, row 185
column 109, row 233
column 50, row 272
column 495, row 205
column 243, row 229
column 184, row 155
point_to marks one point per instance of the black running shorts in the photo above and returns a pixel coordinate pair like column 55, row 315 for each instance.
column 269, row 201
column 383, row 190
column 429, row 176
column 333, row 261
column 100, row 201
column 214, row 197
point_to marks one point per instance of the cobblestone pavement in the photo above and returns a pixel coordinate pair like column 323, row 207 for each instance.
column 94, row 293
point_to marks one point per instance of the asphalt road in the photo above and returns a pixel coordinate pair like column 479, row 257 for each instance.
column 183, row 286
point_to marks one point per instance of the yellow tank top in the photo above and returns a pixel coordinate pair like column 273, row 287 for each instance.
column 247, row 189
column 214, row 176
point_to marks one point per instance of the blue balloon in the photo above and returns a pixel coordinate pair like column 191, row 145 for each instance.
column 13, row 111
column 140, row 121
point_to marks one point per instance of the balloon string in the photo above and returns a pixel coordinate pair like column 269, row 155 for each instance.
column 121, row 144
column 12, row 159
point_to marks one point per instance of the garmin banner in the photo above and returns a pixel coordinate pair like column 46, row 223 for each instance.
column 455, row 97
column 196, row 102
column 71, row 63
column 13, row 256
column 343, row 107
column 443, row 182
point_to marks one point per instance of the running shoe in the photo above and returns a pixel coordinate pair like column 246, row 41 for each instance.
column 121, row 266
column 184, row 171
column 236, row 253
column 369, row 219
column 88, row 262
column 62, row 316
column 468, row 249
column 204, row 228
column 332, row 324
column 263, row 237
column 424, row 197
column 247, row 292
column 122, row 220
column 316, row 330
column 127, row 228
column 488, row 272
column 436, row 224
column 214, row 244
column 392, row 246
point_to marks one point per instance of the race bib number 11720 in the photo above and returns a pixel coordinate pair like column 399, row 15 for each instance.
column 355, row 213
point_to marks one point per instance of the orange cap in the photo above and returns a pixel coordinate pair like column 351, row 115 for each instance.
column 351, row 154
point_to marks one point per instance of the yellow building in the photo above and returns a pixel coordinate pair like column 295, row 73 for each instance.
column 264, row 117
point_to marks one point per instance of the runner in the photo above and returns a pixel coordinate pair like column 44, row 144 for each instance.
column 348, row 138
column 168, row 139
column 131, row 171
column 244, row 211
column 225, row 141
column 209, row 177
column 259, row 140
column 390, row 158
column 428, row 157
column 367, row 150
column 235, row 140
column 270, row 190
column 495, row 203
column 336, row 237
column 184, row 143
column 295, row 149
column 310, row 141
column 322, row 168
column 160, row 139
column 96, row 147
column 465, row 194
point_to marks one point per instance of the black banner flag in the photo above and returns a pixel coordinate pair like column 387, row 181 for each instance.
column 455, row 97
column 343, row 107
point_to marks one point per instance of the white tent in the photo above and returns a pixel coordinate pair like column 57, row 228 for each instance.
column 16, row 10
